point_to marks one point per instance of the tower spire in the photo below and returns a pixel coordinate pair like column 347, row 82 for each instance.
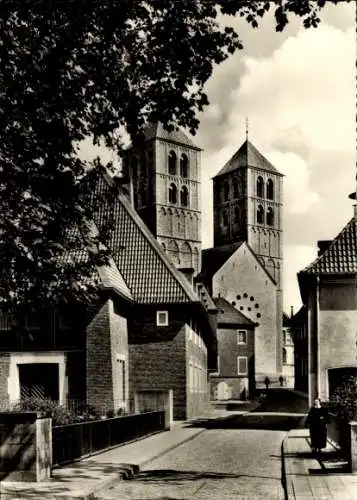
column 246, row 127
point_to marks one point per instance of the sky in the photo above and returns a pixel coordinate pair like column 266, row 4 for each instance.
column 298, row 90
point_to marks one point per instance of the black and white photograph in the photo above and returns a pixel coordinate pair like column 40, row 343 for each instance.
column 178, row 279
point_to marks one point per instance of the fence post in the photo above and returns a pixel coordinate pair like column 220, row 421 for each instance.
column 169, row 409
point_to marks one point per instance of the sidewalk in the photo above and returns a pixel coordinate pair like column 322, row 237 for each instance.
column 81, row 480
column 309, row 476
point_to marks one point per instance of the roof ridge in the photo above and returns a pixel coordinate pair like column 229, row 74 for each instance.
column 333, row 243
column 260, row 263
column 157, row 248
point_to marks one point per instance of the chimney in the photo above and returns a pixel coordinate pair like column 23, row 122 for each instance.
column 323, row 246
column 352, row 196
column 291, row 311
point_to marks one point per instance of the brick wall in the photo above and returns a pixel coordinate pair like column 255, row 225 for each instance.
column 120, row 357
column 196, row 357
column 4, row 373
column 106, row 339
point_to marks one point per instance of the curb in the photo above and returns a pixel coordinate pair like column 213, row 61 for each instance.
column 287, row 483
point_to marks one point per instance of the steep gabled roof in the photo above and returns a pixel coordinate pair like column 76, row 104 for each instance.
column 340, row 257
column 214, row 258
column 148, row 272
column 247, row 156
column 157, row 131
column 229, row 315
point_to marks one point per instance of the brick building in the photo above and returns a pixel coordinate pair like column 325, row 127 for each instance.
column 329, row 293
column 245, row 264
column 288, row 352
column 171, row 329
column 70, row 353
column 234, row 378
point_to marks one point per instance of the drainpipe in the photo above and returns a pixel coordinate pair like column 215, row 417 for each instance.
column 318, row 370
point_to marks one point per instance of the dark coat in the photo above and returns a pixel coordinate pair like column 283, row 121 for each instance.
column 317, row 421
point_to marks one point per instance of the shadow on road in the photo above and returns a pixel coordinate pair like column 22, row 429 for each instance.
column 263, row 421
column 182, row 475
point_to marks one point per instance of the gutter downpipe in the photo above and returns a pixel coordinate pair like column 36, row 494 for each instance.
column 318, row 336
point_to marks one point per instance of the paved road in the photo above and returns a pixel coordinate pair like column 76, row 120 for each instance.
column 219, row 464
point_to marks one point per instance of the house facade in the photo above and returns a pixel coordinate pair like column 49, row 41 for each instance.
column 329, row 293
column 300, row 338
column 235, row 374
column 288, row 353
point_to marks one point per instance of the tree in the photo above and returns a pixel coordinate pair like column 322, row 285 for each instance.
column 75, row 69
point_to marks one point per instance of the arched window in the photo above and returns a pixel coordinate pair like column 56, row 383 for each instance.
column 270, row 216
column 284, row 356
column 184, row 196
column 142, row 194
column 184, row 166
column 235, row 189
column 225, row 218
column 270, row 189
column 172, row 193
column 226, row 191
column 260, row 187
column 260, row 215
column 172, row 163
column 236, row 215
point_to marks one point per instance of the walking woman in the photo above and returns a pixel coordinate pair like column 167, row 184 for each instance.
column 317, row 421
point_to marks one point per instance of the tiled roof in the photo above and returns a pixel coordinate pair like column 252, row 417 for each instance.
column 228, row 314
column 248, row 156
column 148, row 272
column 214, row 258
column 341, row 255
column 107, row 276
column 157, row 131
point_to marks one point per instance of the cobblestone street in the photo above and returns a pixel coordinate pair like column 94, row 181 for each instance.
column 226, row 464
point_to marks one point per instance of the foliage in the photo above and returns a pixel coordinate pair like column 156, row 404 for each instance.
column 75, row 69
column 344, row 399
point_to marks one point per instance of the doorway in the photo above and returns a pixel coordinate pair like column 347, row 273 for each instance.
column 39, row 380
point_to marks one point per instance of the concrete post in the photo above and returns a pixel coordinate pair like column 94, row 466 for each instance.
column 25, row 446
column 169, row 410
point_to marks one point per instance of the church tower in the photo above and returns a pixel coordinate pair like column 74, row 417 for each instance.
column 166, row 192
column 247, row 207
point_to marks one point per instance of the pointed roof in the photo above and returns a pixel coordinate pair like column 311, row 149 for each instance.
column 157, row 131
column 229, row 315
column 340, row 257
column 149, row 273
column 214, row 258
column 247, row 156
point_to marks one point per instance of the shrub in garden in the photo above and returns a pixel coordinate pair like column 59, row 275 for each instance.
column 343, row 401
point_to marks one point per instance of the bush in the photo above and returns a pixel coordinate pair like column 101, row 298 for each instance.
column 343, row 402
column 60, row 414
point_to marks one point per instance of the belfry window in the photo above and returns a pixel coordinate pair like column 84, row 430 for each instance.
column 226, row 191
column 172, row 163
column 225, row 218
column 270, row 189
column 236, row 215
column 260, row 215
column 172, row 193
column 235, row 189
column 184, row 196
column 270, row 217
column 184, row 166
column 260, row 187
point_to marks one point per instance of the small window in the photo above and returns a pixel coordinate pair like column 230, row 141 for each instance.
column 242, row 363
column 284, row 357
column 173, row 194
column 260, row 187
column 184, row 166
column 172, row 163
column 270, row 216
column 184, row 196
column 241, row 337
column 226, row 191
column 260, row 215
column 270, row 190
column 162, row 318
column 225, row 218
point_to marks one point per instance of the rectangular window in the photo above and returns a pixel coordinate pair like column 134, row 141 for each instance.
column 242, row 363
column 162, row 318
column 242, row 337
